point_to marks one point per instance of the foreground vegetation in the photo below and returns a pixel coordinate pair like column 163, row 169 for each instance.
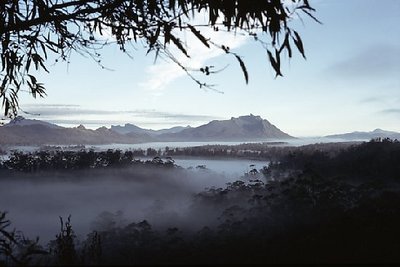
column 316, row 207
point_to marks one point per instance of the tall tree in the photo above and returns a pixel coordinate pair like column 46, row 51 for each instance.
column 30, row 30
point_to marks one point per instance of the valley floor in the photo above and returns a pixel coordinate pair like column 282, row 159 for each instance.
column 322, row 203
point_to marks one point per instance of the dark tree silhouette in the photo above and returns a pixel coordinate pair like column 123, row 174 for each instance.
column 32, row 30
column 15, row 248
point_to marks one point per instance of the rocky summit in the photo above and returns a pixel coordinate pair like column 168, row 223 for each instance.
column 243, row 128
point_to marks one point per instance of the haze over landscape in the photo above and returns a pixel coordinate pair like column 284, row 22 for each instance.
column 21, row 131
column 219, row 137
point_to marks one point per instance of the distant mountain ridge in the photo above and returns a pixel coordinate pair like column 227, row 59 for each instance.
column 243, row 128
column 21, row 121
column 131, row 128
column 366, row 135
column 21, row 131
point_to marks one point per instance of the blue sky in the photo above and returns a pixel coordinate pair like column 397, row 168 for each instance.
column 349, row 82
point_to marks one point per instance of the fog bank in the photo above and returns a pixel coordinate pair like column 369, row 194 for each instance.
column 101, row 198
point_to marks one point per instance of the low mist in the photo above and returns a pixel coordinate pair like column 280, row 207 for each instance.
column 98, row 199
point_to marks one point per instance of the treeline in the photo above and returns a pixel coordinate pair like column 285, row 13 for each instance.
column 265, row 151
column 83, row 159
column 342, row 208
column 55, row 158
column 376, row 159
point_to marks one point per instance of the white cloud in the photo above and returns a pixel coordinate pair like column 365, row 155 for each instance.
column 163, row 73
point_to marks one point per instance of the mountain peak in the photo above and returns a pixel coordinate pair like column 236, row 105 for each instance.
column 250, row 117
column 247, row 117
column 81, row 127
column 248, row 127
column 127, row 128
column 17, row 120
column 22, row 121
column 103, row 129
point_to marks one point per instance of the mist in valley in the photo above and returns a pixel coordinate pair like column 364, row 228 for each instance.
column 99, row 199
column 305, row 203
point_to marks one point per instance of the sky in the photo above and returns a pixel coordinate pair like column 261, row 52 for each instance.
column 350, row 80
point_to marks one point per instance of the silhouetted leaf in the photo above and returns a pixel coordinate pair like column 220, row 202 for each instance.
column 6, row 106
column 274, row 64
column 28, row 64
column 311, row 15
column 244, row 69
column 43, row 49
column 199, row 35
column 278, row 58
column 33, row 79
column 286, row 45
column 178, row 44
column 298, row 43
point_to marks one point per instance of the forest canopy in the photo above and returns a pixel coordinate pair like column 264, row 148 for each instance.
column 37, row 33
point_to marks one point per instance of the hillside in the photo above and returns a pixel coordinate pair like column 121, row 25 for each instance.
column 21, row 131
column 34, row 132
column 377, row 133
column 129, row 128
column 243, row 128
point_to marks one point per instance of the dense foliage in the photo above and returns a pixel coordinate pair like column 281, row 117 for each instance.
column 83, row 159
column 377, row 159
column 330, row 208
column 271, row 151
column 56, row 158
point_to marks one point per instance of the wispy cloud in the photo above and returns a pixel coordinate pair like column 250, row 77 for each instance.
column 51, row 105
column 86, row 122
column 75, row 114
column 395, row 111
column 168, row 115
column 376, row 61
column 54, row 111
column 163, row 73
column 373, row 100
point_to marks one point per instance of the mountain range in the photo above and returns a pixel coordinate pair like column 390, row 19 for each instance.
column 366, row 135
column 131, row 128
column 21, row 131
column 236, row 129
